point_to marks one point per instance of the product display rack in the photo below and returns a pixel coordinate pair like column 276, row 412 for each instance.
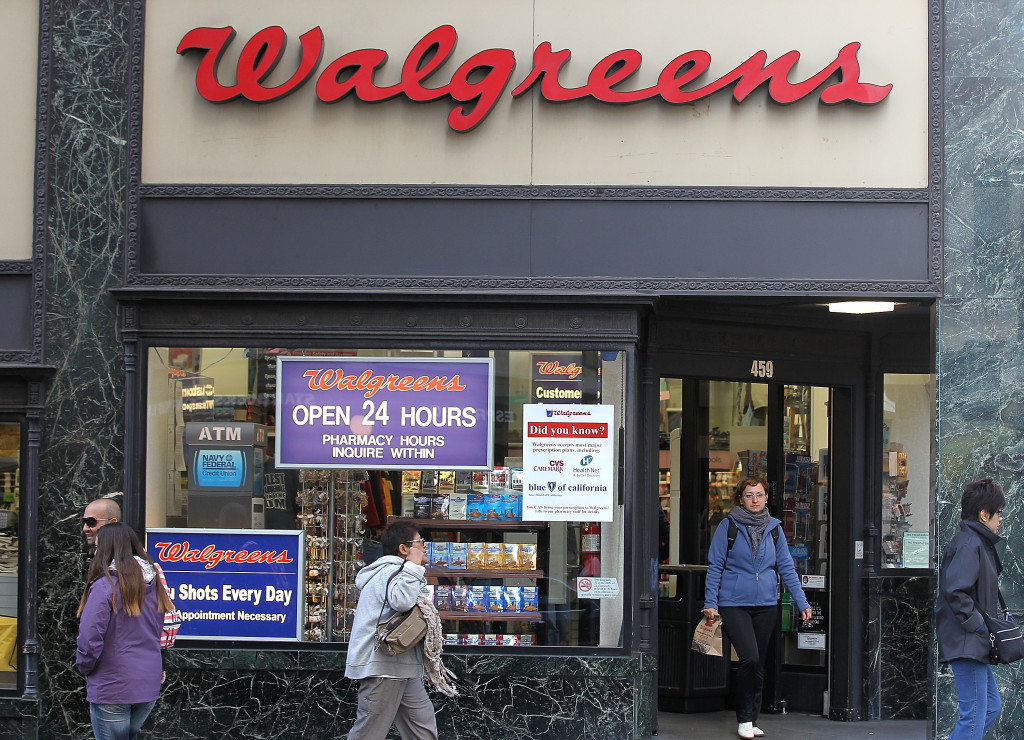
column 896, row 510
column 493, row 531
column 805, row 523
column 331, row 504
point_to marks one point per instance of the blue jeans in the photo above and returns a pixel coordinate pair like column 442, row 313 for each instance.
column 978, row 697
column 118, row 721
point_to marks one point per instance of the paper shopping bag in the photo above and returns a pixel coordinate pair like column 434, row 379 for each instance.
column 707, row 638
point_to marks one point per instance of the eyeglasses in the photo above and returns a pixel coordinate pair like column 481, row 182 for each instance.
column 413, row 542
column 754, row 496
column 91, row 521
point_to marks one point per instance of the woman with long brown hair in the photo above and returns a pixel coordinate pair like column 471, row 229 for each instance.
column 120, row 619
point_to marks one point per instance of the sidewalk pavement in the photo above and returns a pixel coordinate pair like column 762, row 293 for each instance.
column 714, row 725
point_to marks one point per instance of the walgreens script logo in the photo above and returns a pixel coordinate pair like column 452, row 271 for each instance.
column 325, row 379
column 211, row 556
column 477, row 85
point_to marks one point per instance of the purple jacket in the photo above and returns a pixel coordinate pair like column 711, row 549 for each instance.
column 120, row 655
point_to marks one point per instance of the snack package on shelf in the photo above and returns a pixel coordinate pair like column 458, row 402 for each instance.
column 494, row 555
column 495, row 598
column 458, row 554
column 439, row 555
column 475, row 555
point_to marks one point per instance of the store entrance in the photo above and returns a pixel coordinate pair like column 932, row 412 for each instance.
column 713, row 433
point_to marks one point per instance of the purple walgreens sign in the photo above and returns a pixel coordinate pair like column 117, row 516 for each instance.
column 385, row 413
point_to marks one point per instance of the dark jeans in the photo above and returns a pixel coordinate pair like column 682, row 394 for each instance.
column 750, row 629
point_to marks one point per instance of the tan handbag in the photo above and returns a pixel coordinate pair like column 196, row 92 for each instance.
column 403, row 631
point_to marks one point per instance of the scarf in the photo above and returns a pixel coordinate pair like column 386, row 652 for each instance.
column 434, row 671
column 756, row 524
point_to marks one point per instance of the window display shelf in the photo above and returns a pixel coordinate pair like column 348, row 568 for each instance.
column 479, row 594
column 490, row 525
column 483, row 573
column 450, row 616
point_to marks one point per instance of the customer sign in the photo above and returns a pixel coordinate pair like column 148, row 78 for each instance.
column 385, row 413
column 237, row 584
column 568, row 462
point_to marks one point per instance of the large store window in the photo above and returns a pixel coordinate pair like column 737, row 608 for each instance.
column 907, row 422
column 10, row 494
column 501, row 578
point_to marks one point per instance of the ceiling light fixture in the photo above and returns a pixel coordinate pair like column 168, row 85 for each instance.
column 861, row 306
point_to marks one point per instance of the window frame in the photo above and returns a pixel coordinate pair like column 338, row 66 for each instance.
column 546, row 339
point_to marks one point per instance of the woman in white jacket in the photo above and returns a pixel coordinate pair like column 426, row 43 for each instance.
column 391, row 689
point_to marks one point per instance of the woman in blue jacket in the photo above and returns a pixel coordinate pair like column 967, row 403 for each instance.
column 742, row 587
column 969, row 589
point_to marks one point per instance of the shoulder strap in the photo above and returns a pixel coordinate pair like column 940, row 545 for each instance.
column 775, row 537
column 733, row 531
column 387, row 586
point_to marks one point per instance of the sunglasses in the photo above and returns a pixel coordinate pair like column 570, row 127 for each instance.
column 91, row 521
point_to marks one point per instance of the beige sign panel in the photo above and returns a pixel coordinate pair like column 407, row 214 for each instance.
column 19, row 36
column 528, row 140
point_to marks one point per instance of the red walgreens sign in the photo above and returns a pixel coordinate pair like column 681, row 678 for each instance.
column 480, row 81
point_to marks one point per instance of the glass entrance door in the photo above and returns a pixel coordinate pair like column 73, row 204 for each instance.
column 715, row 432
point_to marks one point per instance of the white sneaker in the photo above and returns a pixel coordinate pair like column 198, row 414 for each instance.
column 746, row 730
column 758, row 732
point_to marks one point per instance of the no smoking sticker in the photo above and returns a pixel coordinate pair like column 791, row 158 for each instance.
column 597, row 588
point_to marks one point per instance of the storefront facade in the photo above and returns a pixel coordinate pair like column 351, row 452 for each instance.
column 513, row 214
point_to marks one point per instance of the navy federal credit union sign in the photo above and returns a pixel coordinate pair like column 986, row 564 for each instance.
column 385, row 413
column 233, row 584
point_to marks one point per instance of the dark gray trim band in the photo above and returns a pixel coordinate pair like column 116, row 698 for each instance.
column 931, row 286
column 16, row 267
column 535, row 192
column 41, row 182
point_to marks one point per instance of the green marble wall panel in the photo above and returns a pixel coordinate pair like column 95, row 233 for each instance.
column 980, row 333
column 256, row 694
column 83, row 425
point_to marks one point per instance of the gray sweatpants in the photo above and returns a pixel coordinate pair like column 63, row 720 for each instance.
column 401, row 701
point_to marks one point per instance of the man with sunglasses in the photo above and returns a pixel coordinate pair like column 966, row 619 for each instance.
column 98, row 513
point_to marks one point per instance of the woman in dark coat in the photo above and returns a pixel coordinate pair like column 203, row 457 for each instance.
column 969, row 589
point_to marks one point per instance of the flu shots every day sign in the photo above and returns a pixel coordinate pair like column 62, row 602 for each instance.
column 385, row 413
column 568, row 462
column 233, row 584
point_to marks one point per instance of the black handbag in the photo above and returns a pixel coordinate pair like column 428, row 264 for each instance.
column 1005, row 639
